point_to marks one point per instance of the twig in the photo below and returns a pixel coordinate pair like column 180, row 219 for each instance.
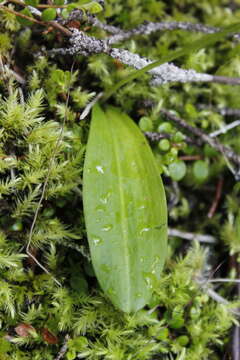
column 89, row 106
column 223, row 111
column 13, row 73
column 237, row 281
column 236, row 343
column 236, row 329
column 60, row 28
column 54, row 24
column 87, row 45
column 38, row 6
column 90, row 19
column 144, row 29
column 229, row 112
column 190, row 157
column 214, row 295
column 63, row 349
column 209, row 239
column 150, row 27
column 216, row 198
column 203, row 137
column 225, row 129
column 4, row 8
column 155, row 136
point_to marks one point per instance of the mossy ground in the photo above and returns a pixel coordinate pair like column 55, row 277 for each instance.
column 36, row 314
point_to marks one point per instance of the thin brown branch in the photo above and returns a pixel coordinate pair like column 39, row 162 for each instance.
column 4, row 8
column 216, row 198
column 60, row 28
column 190, row 157
column 54, row 24
column 39, row 6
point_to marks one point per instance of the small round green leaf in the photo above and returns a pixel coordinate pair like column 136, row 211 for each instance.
column 177, row 322
column 49, row 14
column 93, row 7
column 22, row 21
column 163, row 334
column 164, row 145
column 17, row 226
column 165, row 127
column 65, row 13
column 145, row 123
column 178, row 137
column 183, row 340
column 177, row 170
column 200, row 170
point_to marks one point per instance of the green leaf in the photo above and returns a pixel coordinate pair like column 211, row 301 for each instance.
column 177, row 170
column 164, row 144
column 203, row 42
column 32, row 2
column 22, row 21
column 58, row 2
column 93, row 7
column 65, row 13
column 49, row 14
column 145, row 123
column 125, row 209
column 200, row 170
column 5, row 346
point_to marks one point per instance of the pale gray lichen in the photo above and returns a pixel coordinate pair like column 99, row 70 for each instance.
column 88, row 45
column 150, row 27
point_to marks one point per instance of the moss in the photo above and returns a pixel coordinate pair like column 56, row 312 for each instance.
column 182, row 321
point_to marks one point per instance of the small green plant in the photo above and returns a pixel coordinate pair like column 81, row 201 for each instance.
column 125, row 209
column 51, row 304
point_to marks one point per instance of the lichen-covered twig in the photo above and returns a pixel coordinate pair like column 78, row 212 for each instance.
column 223, row 111
column 155, row 136
column 150, row 27
column 88, row 45
column 203, row 137
column 144, row 29
column 89, row 19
